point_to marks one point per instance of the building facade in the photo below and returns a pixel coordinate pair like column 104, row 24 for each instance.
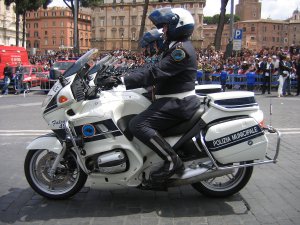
column 8, row 25
column 116, row 24
column 52, row 29
column 258, row 33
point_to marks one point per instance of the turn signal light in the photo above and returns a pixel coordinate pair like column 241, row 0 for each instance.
column 62, row 99
column 262, row 124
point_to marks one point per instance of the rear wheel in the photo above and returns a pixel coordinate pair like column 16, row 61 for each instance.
column 69, row 178
column 225, row 186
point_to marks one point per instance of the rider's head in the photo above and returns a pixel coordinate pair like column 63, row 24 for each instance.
column 152, row 41
column 177, row 23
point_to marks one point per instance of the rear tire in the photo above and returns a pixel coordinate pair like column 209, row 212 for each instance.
column 221, row 187
column 68, row 180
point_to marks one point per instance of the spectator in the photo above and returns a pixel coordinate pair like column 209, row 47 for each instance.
column 7, row 78
column 223, row 79
column 266, row 67
column 19, row 79
column 287, row 66
column 250, row 79
column 297, row 67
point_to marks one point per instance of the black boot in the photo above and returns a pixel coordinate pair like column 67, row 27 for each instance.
column 172, row 165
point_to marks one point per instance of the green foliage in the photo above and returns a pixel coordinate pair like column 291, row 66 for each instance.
column 215, row 19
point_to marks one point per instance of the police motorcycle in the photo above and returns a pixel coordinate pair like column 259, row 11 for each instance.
column 219, row 146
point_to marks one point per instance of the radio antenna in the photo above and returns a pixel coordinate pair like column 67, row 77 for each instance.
column 271, row 111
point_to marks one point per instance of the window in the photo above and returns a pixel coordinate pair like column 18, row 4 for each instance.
column 53, row 23
column 45, row 24
column 252, row 38
column 62, row 41
column 102, row 19
column 62, row 32
column 53, row 41
column 273, row 39
column 36, row 34
column 46, row 32
column 133, row 20
column 113, row 33
column 252, row 28
column 46, row 41
column 121, row 33
column 53, row 13
column 54, row 33
column 62, row 24
column 62, row 13
column 45, row 13
column 113, row 20
column 121, row 20
column 36, row 25
column 102, row 34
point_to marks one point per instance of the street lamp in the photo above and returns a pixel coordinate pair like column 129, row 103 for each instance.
column 122, row 36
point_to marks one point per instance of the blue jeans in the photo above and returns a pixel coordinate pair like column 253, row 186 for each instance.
column 5, row 87
column 287, row 86
column 19, row 84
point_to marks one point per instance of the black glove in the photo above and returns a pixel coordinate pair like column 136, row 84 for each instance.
column 110, row 82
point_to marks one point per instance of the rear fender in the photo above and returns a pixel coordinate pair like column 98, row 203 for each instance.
column 48, row 141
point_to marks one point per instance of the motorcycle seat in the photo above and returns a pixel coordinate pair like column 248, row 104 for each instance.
column 183, row 127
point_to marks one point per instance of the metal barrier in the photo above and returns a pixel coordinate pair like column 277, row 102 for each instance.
column 240, row 80
column 236, row 81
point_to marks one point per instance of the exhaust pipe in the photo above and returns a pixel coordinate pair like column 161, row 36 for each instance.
column 191, row 176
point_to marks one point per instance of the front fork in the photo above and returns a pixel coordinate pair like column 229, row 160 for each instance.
column 70, row 137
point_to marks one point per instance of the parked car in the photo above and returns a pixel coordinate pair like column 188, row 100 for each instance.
column 30, row 78
column 58, row 68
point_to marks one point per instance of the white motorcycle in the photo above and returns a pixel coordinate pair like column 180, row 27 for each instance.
column 219, row 145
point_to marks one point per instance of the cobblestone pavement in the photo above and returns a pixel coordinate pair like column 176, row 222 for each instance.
column 272, row 195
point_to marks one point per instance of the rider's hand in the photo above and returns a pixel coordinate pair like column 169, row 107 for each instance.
column 111, row 82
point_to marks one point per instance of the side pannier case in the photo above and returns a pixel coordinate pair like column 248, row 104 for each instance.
column 236, row 140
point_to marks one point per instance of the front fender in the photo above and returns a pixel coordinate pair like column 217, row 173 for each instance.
column 47, row 141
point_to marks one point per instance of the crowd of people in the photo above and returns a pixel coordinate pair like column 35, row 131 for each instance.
column 280, row 63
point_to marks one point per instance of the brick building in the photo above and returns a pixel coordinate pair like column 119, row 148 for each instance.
column 116, row 24
column 248, row 9
column 258, row 33
column 52, row 29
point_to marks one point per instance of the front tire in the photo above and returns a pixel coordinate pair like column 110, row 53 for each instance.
column 224, row 186
column 69, row 178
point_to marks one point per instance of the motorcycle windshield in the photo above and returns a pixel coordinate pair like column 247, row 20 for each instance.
column 89, row 57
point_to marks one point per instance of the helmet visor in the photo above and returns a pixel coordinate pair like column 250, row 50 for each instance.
column 162, row 16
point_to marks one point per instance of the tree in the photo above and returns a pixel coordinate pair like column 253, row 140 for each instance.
column 215, row 19
column 21, row 6
column 143, row 21
column 221, row 23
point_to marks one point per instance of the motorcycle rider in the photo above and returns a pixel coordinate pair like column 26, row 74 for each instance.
column 174, row 79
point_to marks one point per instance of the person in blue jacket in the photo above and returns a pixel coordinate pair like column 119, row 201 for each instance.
column 250, row 74
column 223, row 79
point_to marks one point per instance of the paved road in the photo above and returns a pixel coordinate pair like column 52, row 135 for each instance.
column 271, row 197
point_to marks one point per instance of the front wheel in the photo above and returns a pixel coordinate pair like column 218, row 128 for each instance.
column 68, row 179
column 226, row 185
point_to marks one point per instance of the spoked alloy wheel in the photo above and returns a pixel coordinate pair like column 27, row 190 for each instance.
column 67, row 181
column 226, row 185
